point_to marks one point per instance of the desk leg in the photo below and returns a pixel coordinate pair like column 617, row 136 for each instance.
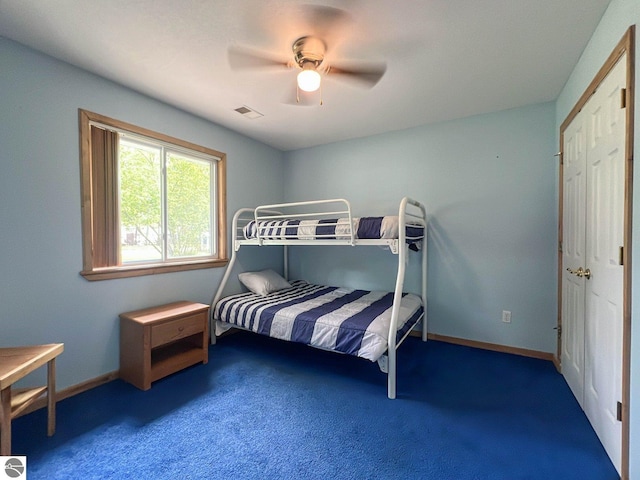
column 5, row 421
column 51, row 397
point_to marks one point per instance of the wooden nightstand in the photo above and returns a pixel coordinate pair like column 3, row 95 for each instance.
column 158, row 341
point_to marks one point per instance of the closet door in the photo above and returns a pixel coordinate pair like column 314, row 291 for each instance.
column 573, row 254
column 593, row 235
column 606, row 123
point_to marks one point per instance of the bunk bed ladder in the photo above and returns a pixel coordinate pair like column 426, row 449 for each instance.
column 397, row 295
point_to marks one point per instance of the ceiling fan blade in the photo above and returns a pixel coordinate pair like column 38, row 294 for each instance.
column 367, row 74
column 243, row 58
column 325, row 22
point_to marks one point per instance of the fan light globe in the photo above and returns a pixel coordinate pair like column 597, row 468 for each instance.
column 309, row 80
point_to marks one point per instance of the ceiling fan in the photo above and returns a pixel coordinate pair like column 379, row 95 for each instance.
column 308, row 55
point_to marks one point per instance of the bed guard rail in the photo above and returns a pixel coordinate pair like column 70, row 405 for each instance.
column 315, row 209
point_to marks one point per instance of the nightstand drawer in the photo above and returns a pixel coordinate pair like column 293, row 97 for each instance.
column 176, row 329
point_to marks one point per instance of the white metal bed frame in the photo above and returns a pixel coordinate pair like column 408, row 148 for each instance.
column 410, row 212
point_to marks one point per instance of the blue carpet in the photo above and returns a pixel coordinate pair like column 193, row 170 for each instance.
column 265, row 409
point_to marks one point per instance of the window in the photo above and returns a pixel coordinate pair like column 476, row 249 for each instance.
column 151, row 203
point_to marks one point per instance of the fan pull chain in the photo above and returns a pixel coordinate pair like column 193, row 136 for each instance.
column 320, row 94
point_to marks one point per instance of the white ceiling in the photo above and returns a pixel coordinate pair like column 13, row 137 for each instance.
column 445, row 59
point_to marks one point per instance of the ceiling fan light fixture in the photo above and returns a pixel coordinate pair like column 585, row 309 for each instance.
column 309, row 78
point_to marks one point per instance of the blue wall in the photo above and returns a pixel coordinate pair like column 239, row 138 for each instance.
column 43, row 298
column 619, row 16
column 488, row 183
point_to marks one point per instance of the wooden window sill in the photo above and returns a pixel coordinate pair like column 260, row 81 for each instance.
column 108, row 273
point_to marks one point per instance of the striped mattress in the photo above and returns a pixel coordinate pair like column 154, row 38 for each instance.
column 354, row 322
column 330, row 229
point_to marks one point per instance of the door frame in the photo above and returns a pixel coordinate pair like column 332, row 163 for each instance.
column 625, row 45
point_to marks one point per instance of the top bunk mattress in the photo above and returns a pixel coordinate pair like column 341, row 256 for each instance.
column 354, row 322
column 386, row 227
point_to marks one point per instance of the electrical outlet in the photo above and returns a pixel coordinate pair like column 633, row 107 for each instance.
column 506, row 316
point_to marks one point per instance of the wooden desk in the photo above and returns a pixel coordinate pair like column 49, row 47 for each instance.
column 15, row 363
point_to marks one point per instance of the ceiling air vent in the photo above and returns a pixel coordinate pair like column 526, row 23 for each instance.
column 248, row 112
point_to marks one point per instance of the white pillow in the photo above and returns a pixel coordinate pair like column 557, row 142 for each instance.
column 264, row 282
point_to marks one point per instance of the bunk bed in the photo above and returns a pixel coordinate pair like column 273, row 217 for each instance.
column 371, row 325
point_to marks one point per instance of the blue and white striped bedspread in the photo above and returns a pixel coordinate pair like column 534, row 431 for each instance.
column 331, row 229
column 355, row 322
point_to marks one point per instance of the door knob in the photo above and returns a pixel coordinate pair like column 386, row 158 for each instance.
column 578, row 273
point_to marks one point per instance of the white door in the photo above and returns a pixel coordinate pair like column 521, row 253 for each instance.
column 573, row 254
column 606, row 123
column 593, row 274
